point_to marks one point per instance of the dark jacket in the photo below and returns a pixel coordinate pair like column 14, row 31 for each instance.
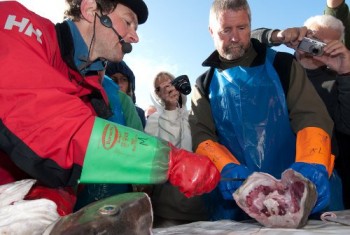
column 342, row 13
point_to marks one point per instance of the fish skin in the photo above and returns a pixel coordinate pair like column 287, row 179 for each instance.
column 291, row 219
column 131, row 214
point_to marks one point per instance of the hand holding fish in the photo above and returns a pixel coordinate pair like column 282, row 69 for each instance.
column 234, row 171
column 318, row 175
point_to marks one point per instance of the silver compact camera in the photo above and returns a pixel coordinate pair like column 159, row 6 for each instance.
column 311, row 46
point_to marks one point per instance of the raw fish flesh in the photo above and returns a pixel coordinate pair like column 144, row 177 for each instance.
column 284, row 203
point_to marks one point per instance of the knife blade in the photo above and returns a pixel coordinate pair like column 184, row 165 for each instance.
column 232, row 179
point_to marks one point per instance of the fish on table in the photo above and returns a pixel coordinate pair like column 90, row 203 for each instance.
column 123, row 214
column 285, row 203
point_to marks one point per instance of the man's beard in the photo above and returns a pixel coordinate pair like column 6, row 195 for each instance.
column 233, row 51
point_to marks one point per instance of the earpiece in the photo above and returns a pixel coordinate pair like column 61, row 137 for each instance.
column 106, row 21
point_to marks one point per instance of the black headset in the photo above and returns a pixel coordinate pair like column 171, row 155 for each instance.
column 107, row 22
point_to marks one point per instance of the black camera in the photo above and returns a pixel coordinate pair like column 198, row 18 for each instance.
column 311, row 46
column 182, row 84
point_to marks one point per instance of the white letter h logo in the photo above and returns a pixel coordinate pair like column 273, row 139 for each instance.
column 22, row 25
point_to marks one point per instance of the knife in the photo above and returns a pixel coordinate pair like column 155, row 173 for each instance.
column 232, row 179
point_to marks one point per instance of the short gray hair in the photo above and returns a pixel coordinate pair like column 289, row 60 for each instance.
column 326, row 21
column 219, row 6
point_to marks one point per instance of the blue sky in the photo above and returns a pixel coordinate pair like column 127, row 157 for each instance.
column 175, row 37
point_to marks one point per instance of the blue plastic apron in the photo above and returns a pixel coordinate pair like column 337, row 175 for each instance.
column 249, row 110
column 250, row 113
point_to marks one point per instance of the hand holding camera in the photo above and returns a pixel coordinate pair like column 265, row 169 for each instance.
column 296, row 38
column 291, row 37
column 336, row 56
column 168, row 95
column 333, row 54
column 170, row 91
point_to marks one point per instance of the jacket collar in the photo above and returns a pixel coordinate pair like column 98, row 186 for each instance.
column 74, row 50
column 257, row 48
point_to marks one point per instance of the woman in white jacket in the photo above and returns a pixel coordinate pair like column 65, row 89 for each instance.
column 170, row 123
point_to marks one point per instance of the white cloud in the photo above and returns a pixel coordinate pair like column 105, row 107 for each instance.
column 50, row 9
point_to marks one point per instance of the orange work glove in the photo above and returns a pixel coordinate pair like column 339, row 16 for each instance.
column 315, row 162
column 217, row 153
column 314, row 146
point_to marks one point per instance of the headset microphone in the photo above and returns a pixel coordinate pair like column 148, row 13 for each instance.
column 107, row 22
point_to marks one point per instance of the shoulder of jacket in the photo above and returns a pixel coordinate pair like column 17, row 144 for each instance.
column 283, row 63
column 203, row 81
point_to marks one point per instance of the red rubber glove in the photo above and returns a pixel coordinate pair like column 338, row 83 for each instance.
column 192, row 173
column 64, row 198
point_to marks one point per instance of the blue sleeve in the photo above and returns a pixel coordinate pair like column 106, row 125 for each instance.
column 112, row 90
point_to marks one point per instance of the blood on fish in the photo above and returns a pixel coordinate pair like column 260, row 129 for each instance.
column 284, row 203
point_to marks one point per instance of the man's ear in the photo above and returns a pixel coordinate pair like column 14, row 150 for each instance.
column 210, row 31
column 88, row 10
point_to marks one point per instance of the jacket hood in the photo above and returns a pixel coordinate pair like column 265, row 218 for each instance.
column 123, row 68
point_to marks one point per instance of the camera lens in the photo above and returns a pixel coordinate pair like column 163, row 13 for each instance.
column 185, row 88
column 315, row 51
column 182, row 84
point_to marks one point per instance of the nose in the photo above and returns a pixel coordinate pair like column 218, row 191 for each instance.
column 133, row 37
column 235, row 36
